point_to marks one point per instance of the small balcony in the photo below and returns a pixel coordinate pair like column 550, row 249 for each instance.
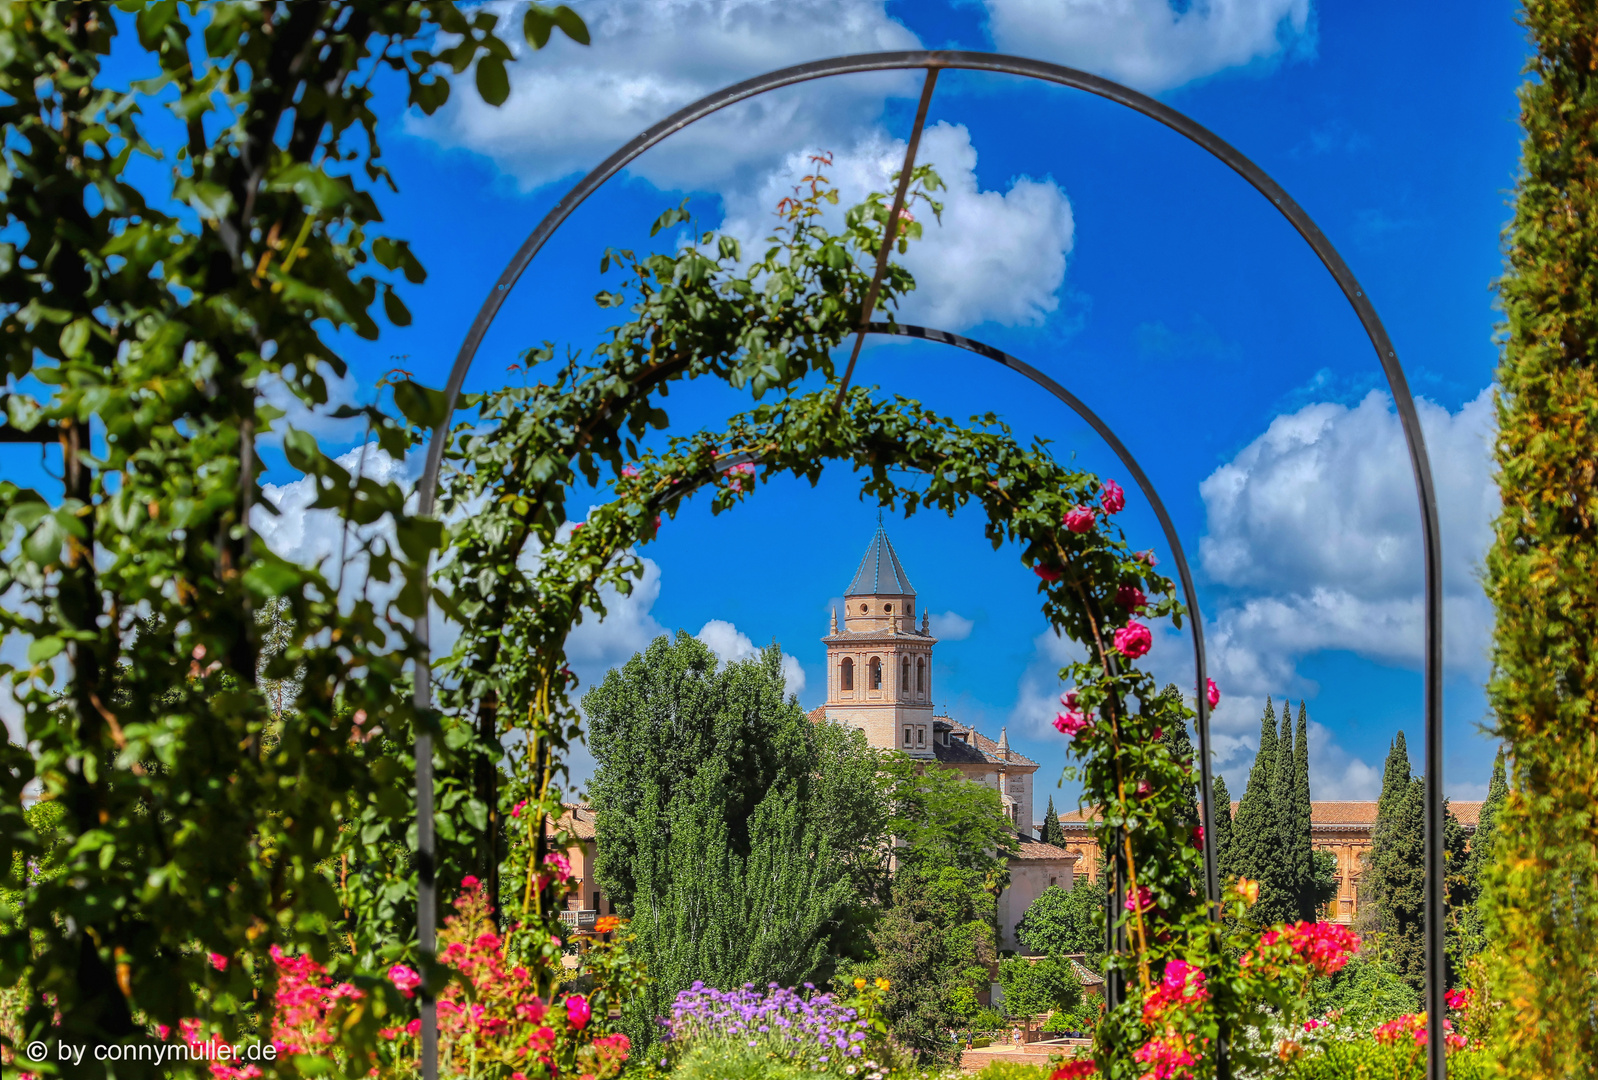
column 580, row 918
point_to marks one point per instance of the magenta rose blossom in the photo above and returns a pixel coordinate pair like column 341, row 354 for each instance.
column 1146, row 558
column 404, row 978
column 1079, row 520
column 577, row 1011
column 1133, row 640
column 1131, row 597
column 1113, row 497
column 1212, row 692
column 1050, row 574
column 1074, row 718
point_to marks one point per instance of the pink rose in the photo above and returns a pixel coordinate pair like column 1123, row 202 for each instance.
column 1146, row 558
column 1212, row 692
column 629, row 471
column 516, row 811
column 218, row 961
column 404, row 978
column 1113, row 498
column 562, row 865
column 1141, row 900
column 1071, row 722
column 469, row 882
column 1048, row 573
column 1131, row 597
column 577, row 1011
column 1133, row 640
column 1198, row 837
column 1080, row 519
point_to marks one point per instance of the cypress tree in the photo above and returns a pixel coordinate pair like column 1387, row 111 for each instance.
column 1278, row 872
column 1542, row 570
column 1179, row 744
column 1392, row 888
column 1223, row 824
column 1052, row 833
column 1303, row 843
column 1479, row 859
column 1254, row 838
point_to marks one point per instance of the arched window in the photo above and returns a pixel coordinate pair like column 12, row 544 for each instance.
column 921, row 675
column 846, row 674
column 876, row 674
column 904, row 676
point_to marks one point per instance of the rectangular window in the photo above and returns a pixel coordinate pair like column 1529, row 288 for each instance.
column 907, row 736
column 921, row 736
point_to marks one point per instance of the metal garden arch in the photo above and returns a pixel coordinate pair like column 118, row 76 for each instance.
column 932, row 62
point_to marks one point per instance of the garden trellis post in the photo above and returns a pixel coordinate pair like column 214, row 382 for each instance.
column 932, row 62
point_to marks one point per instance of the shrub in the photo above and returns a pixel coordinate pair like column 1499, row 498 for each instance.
column 1012, row 1070
column 1365, row 993
column 1038, row 986
column 812, row 1032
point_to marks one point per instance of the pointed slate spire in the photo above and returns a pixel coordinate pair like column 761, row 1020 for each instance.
column 880, row 573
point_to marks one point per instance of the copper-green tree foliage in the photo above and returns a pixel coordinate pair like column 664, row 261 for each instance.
column 1542, row 570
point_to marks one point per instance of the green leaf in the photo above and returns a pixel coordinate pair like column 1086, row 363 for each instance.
column 270, row 577
column 42, row 649
column 571, row 24
column 492, row 81
column 394, row 308
column 422, row 406
column 537, row 24
column 75, row 337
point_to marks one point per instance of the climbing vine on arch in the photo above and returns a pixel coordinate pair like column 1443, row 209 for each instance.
column 520, row 576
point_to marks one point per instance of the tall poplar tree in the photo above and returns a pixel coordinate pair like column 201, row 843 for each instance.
column 1223, row 825
column 1254, row 836
column 1304, row 869
column 1542, row 570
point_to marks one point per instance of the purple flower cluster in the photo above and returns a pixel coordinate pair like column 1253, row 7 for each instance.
column 804, row 1028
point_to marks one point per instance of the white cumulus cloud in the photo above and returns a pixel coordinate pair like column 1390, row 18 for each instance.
column 995, row 256
column 571, row 105
column 1315, row 527
column 950, row 626
column 732, row 646
column 1153, row 45
column 1314, row 535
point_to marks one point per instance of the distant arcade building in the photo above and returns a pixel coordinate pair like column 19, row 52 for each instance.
column 879, row 679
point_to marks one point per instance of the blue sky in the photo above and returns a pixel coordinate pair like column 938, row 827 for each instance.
column 1090, row 242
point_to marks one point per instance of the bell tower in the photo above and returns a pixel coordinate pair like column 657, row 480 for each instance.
column 879, row 665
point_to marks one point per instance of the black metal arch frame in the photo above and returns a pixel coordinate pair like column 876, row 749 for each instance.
column 932, row 62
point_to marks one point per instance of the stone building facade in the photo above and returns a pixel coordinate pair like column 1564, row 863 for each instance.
column 1343, row 828
column 879, row 679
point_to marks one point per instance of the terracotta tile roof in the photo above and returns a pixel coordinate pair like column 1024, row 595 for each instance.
column 576, row 818
column 1036, row 849
column 818, row 714
column 1322, row 813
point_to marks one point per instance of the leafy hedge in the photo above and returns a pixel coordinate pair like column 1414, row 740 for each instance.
column 1542, row 571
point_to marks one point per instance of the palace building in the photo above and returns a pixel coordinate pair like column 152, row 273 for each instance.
column 880, row 678
column 1343, row 828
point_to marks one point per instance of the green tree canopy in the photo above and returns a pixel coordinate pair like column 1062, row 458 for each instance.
column 1064, row 921
column 1041, row 985
column 741, row 839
